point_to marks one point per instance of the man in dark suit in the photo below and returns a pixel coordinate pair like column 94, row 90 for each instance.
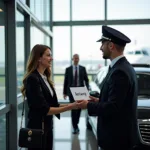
column 75, row 76
column 117, row 105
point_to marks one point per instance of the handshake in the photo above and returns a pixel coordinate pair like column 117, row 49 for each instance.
column 82, row 104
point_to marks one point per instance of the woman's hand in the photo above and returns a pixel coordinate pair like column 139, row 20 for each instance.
column 73, row 105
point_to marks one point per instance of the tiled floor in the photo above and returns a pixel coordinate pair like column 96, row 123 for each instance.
column 64, row 139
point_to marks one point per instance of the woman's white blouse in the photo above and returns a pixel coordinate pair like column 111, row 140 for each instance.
column 46, row 82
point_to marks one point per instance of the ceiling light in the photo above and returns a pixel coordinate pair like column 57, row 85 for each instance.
column 1, row 10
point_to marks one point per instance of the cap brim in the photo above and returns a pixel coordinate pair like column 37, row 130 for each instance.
column 99, row 40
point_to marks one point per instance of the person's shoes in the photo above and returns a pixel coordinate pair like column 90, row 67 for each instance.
column 75, row 131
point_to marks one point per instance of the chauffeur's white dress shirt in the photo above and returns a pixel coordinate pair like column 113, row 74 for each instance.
column 115, row 60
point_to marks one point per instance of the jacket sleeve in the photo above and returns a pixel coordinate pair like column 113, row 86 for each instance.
column 86, row 78
column 119, row 86
column 34, row 94
column 65, row 82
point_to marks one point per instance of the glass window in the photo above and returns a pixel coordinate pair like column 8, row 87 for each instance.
column 125, row 9
column 37, row 8
column 3, row 132
column 47, row 40
column 2, row 54
column 32, row 5
column 61, row 48
column 41, row 9
column 38, row 37
column 19, row 49
column 87, row 9
column 134, row 32
column 46, row 17
column 84, row 43
column 61, row 56
column 24, row 1
column 61, row 10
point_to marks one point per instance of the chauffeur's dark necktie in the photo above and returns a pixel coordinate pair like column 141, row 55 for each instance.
column 75, row 77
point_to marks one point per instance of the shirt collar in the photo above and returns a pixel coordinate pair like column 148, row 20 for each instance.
column 115, row 60
column 75, row 66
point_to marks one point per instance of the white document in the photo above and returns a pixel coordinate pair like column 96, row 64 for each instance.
column 80, row 93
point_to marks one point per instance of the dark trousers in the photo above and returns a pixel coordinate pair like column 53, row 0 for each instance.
column 75, row 116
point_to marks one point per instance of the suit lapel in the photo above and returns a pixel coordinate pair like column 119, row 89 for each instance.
column 103, row 82
column 53, row 90
column 71, row 73
column 54, row 101
column 110, row 72
column 43, row 84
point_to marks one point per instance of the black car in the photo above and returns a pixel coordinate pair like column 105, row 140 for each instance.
column 143, row 76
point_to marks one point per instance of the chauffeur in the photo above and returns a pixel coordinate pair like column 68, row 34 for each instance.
column 117, row 104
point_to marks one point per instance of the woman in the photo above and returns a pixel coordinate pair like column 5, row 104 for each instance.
column 40, row 93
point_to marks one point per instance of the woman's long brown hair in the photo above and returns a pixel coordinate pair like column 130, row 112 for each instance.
column 32, row 64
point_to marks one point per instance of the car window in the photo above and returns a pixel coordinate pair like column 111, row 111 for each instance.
column 138, row 52
column 145, row 52
column 129, row 52
column 143, row 81
column 143, row 84
column 100, row 76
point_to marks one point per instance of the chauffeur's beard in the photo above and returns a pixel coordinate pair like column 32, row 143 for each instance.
column 106, row 57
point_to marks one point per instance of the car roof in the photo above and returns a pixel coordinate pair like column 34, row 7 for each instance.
column 137, row 69
column 142, row 69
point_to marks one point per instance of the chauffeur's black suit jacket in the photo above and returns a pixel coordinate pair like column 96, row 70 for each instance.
column 39, row 101
column 69, row 79
column 116, row 109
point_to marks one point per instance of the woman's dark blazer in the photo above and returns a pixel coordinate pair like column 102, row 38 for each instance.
column 39, row 100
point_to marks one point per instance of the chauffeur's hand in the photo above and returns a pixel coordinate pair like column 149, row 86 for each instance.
column 93, row 99
column 82, row 104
